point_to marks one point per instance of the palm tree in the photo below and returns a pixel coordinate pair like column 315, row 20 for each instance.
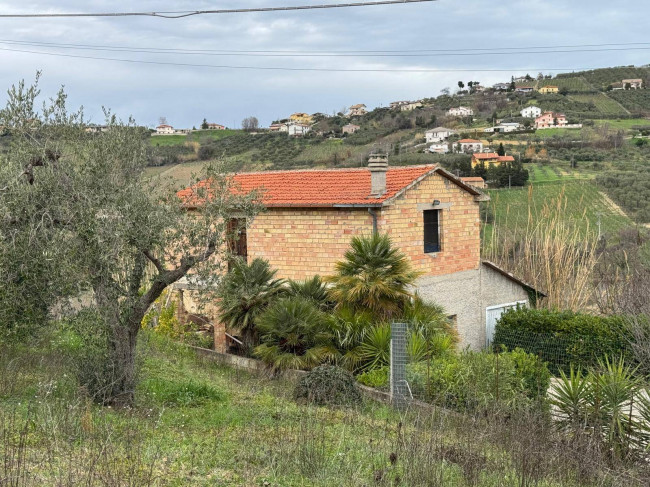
column 244, row 293
column 294, row 334
column 374, row 276
column 314, row 289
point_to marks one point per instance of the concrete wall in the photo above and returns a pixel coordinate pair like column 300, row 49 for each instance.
column 466, row 295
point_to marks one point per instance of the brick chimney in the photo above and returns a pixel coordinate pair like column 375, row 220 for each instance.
column 378, row 166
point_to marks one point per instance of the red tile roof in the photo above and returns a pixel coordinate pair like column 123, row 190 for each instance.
column 326, row 188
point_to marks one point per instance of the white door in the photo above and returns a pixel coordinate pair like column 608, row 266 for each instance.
column 492, row 315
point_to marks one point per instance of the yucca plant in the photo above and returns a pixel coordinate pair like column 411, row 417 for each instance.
column 376, row 347
column 617, row 388
column 571, row 397
column 244, row 293
column 374, row 276
column 294, row 334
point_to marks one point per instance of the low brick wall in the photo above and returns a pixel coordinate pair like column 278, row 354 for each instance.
column 253, row 365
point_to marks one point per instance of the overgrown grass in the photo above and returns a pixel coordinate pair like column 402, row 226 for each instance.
column 197, row 423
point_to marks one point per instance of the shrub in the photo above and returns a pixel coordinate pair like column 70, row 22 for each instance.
column 294, row 334
column 564, row 337
column 480, row 380
column 377, row 378
column 328, row 385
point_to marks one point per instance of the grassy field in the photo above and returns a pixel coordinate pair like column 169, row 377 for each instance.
column 167, row 140
column 603, row 103
column 625, row 124
column 200, row 424
column 582, row 203
column 576, row 84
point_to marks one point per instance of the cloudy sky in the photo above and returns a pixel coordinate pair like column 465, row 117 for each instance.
column 186, row 94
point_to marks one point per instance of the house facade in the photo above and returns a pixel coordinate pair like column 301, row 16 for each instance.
column 470, row 145
column 350, row 128
column 430, row 215
column 524, row 89
column 164, row 129
column 297, row 129
column 357, row 110
column 550, row 120
column 438, row 134
column 460, row 112
column 488, row 158
column 531, row 112
column 216, row 126
column 301, row 118
column 633, row 84
column 549, row 89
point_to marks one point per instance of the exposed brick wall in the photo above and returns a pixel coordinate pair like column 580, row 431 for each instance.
column 300, row 243
column 459, row 227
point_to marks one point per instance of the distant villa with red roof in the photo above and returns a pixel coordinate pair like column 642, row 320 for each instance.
column 430, row 215
column 488, row 158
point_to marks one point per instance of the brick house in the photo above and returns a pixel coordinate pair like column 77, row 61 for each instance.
column 350, row 128
column 431, row 215
column 357, row 110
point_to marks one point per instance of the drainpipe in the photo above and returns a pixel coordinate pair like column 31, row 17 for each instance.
column 373, row 213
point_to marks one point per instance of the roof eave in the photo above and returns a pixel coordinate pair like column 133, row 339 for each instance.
column 510, row 276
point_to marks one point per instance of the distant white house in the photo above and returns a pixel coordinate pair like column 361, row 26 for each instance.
column 164, row 129
column 501, row 86
column 524, row 89
column 298, row 129
column 470, row 145
column 411, row 105
column 504, row 128
column 531, row 112
column 439, row 148
column 634, row 84
column 438, row 134
column 460, row 112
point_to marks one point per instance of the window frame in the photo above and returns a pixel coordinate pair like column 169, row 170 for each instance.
column 438, row 213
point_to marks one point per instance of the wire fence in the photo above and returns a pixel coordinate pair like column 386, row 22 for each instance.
column 468, row 380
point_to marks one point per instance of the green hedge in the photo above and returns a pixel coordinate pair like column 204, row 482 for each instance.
column 564, row 338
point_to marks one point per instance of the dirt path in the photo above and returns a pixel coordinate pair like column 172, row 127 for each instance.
column 613, row 205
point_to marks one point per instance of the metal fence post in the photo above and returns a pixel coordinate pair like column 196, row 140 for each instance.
column 398, row 386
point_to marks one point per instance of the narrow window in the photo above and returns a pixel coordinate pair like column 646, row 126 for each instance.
column 431, row 231
column 236, row 239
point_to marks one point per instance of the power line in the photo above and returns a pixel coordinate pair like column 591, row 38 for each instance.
column 460, row 51
column 283, row 68
column 210, row 52
column 187, row 13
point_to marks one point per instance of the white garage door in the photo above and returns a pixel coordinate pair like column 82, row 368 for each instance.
column 492, row 315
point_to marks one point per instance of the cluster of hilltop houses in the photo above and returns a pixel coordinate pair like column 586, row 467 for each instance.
column 166, row 129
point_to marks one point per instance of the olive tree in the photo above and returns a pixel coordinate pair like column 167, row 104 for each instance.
column 80, row 217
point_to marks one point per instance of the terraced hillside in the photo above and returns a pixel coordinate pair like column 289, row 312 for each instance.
column 581, row 201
